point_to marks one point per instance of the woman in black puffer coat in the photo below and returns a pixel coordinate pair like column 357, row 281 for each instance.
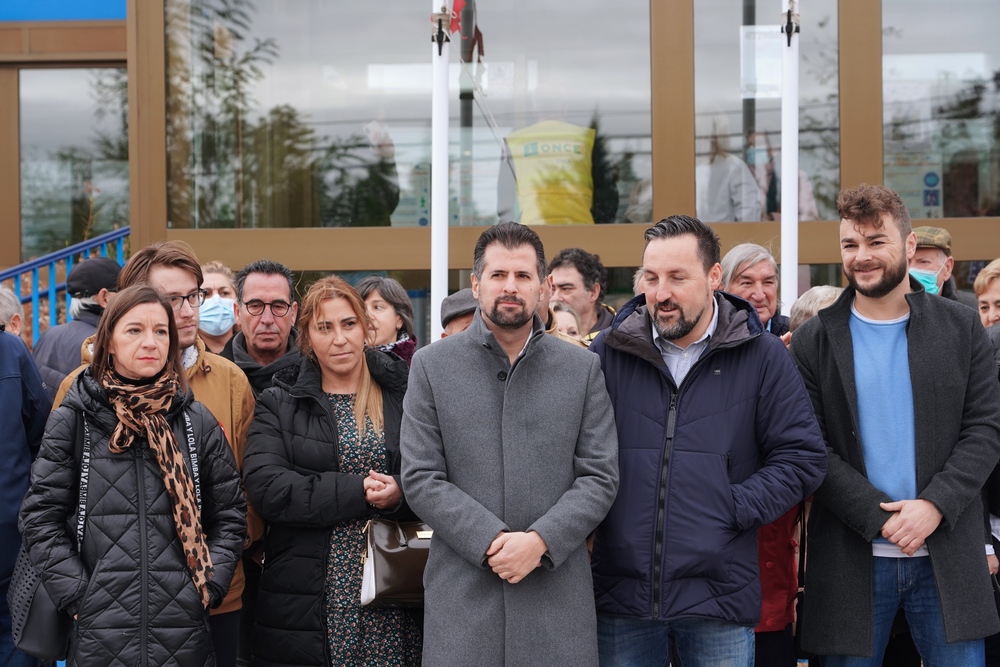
column 158, row 473
column 316, row 478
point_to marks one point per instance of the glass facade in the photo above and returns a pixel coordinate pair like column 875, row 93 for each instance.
column 738, row 111
column 941, row 106
column 303, row 113
column 73, row 156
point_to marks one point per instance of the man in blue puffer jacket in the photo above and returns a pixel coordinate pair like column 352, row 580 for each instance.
column 717, row 436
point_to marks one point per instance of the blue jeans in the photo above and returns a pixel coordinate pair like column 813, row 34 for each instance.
column 699, row 642
column 908, row 583
column 10, row 656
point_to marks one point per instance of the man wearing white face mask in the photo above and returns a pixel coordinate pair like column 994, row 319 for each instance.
column 932, row 265
column 217, row 316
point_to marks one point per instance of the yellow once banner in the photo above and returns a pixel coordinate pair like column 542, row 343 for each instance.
column 552, row 164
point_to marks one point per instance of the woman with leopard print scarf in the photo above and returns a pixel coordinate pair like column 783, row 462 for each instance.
column 163, row 508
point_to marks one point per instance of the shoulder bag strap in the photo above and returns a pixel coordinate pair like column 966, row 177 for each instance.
column 193, row 457
column 82, row 456
column 802, row 545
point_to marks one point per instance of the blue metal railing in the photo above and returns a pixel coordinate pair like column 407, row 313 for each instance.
column 110, row 244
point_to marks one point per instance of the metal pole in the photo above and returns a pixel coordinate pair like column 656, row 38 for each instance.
column 790, row 156
column 441, row 24
column 749, row 103
column 466, row 97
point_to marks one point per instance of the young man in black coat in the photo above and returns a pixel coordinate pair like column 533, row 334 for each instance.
column 904, row 387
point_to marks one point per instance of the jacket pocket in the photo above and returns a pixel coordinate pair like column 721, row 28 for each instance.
column 82, row 609
column 700, row 533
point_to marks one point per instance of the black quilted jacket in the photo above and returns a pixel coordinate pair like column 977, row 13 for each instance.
column 129, row 584
column 291, row 475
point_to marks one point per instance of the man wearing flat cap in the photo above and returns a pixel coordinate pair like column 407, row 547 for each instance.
column 932, row 265
column 57, row 351
column 456, row 312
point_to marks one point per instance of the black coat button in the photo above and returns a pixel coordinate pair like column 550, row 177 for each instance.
column 502, row 375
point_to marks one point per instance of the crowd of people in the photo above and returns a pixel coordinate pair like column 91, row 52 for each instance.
column 191, row 462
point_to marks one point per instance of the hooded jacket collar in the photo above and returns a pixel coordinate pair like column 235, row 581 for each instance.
column 631, row 332
column 305, row 380
column 260, row 376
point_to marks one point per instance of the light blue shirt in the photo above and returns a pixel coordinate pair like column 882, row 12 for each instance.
column 679, row 360
column 885, row 405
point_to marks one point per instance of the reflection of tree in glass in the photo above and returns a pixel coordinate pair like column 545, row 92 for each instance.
column 358, row 189
column 605, row 175
column 211, row 66
column 819, row 121
column 110, row 91
column 280, row 172
column 970, row 133
column 962, row 132
column 79, row 191
column 227, row 170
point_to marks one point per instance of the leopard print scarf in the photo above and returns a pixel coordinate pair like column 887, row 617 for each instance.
column 141, row 411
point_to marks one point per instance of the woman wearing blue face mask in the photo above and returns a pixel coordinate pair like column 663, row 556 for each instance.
column 217, row 316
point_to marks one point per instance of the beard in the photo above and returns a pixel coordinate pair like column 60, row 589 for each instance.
column 510, row 319
column 892, row 276
column 681, row 327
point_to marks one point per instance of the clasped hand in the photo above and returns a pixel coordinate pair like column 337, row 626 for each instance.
column 910, row 524
column 513, row 556
column 382, row 491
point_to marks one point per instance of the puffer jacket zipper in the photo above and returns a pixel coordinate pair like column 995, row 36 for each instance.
column 662, row 505
column 668, row 443
column 143, row 556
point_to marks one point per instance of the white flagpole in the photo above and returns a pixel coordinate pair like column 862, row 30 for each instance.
column 441, row 26
column 790, row 155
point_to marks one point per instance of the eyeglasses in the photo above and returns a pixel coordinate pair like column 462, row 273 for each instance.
column 194, row 299
column 278, row 308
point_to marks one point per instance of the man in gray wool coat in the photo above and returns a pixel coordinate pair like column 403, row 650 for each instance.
column 510, row 454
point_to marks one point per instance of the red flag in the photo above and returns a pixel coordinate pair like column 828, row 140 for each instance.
column 456, row 15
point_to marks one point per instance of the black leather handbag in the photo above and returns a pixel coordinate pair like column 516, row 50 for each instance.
column 38, row 627
column 394, row 563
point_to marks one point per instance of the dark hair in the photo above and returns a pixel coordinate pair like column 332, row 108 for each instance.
column 392, row 292
column 709, row 248
column 126, row 300
column 589, row 266
column 164, row 253
column 866, row 204
column 510, row 235
column 269, row 268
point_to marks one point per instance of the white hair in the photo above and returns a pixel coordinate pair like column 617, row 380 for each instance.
column 77, row 303
column 741, row 258
column 811, row 302
column 10, row 305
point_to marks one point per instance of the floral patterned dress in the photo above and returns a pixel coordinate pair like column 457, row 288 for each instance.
column 356, row 635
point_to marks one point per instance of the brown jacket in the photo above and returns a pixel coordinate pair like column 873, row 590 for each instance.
column 224, row 389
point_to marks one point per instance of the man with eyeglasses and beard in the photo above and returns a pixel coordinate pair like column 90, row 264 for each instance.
column 509, row 454
column 173, row 270
column 904, row 386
